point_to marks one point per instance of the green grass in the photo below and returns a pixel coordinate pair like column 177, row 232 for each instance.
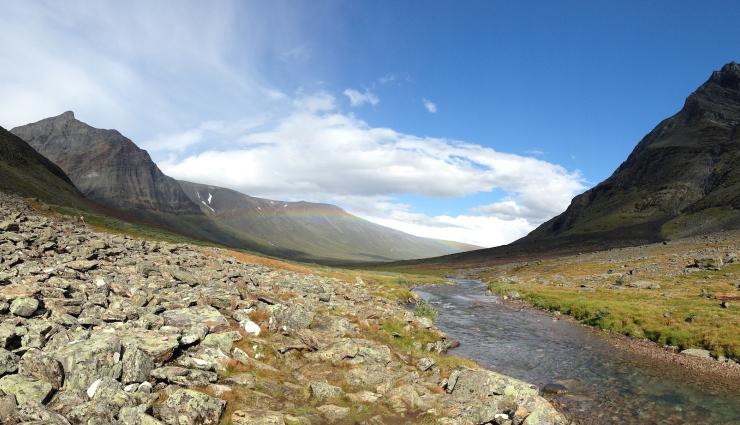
column 424, row 309
column 674, row 315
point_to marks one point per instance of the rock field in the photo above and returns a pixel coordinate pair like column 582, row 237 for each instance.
column 98, row 328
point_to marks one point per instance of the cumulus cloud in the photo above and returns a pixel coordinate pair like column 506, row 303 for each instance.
column 199, row 102
column 430, row 106
column 357, row 98
column 323, row 154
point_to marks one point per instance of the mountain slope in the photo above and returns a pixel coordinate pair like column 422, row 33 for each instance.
column 26, row 172
column 105, row 166
column 323, row 230
column 682, row 179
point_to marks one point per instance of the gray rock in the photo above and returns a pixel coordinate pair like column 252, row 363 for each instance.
column 697, row 352
column 137, row 365
column 323, row 391
column 24, row 306
column 8, row 362
column 188, row 407
column 88, row 360
column 185, row 318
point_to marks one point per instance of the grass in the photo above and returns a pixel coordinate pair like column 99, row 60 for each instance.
column 424, row 309
column 676, row 314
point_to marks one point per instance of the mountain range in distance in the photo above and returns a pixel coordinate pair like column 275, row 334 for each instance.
column 108, row 170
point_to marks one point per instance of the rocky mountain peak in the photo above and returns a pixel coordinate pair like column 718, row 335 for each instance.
column 728, row 77
column 67, row 116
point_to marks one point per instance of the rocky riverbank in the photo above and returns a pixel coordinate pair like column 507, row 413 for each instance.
column 98, row 328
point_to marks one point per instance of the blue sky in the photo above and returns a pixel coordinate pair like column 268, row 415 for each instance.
column 472, row 121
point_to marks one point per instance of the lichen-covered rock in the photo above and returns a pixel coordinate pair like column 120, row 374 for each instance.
column 25, row 389
column 40, row 365
column 8, row 362
column 324, row 391
column 137, row 365
column 24, row 306
column 188, row 407
column 87, row 360
column 184, row 318
column 333, row 413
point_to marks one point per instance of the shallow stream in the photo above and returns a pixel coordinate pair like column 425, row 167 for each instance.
column 607, row 385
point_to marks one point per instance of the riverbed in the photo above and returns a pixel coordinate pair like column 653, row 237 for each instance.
column 606, row 384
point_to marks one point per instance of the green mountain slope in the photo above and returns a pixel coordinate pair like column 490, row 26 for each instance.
column 682, row 179
column 26, row 172
column 325, row 231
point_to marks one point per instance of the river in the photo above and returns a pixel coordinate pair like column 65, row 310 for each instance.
column 607, row 384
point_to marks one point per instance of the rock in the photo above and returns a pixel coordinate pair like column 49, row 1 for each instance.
column 250, row 327
column 137, row 365
column 24, row 306
column 188, row 407
column 40, row 365
column 323, row 391
column 425, row 363
column 136, row 416
column 697, row 352
column 333, row 413
column 9, row 226
column 554, row 388
column 8, row 362
column 183, row 376
column 185, row 318
column 88, row 360
column 82, row 265
column 224, row 341
column 257, row 417
column 25, row 389
column 246, row 380
column 707, row 263
column 293, row 318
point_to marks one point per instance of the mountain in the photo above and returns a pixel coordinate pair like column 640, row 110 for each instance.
column 112, row 171
column 105, row 166
column 326, row 231
column 26, row 172
column 682, row 179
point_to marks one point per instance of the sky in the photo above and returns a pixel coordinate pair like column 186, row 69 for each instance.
column 473, row 121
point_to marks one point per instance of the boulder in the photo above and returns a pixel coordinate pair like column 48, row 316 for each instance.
column 25, row 389
column 24, row 306
column 40, row 365
column 697, row 352
column 137, row 365
column 188, row 407
column 324, row 391
column 333, row 413
column 185, row 318
column 88, row 360
column 8, row 362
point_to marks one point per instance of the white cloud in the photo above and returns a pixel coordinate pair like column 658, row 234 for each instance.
column 430, row 106
column 357, row 98
column 324, row 155
column 199, row 100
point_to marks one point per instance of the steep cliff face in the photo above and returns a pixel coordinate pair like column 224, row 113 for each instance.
column 106, row 166
column 683, row 178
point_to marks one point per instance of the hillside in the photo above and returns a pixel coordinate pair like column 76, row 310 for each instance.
column 323, row 230
column 105, row 166
column 682, row 179
column 26, row 172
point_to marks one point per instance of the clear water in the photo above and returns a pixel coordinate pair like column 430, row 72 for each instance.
column 607, row 385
